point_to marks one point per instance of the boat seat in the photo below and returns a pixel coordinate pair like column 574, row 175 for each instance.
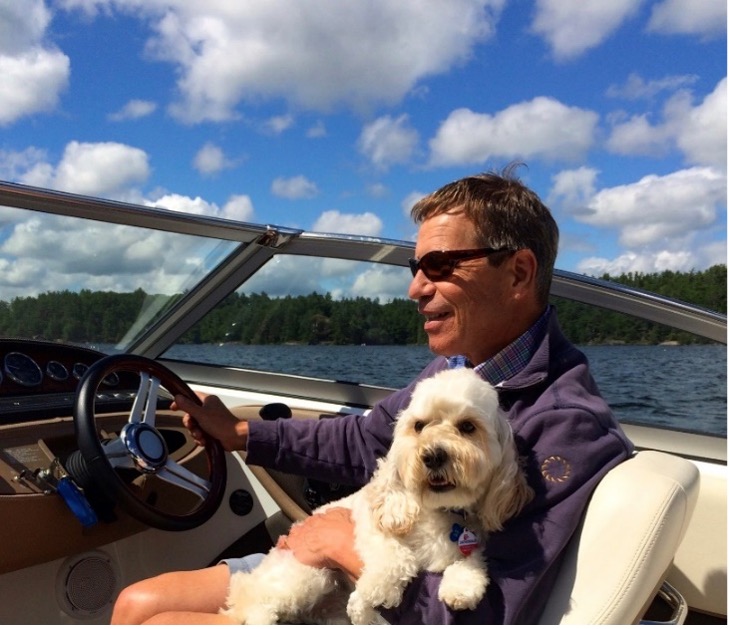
column 634, row 523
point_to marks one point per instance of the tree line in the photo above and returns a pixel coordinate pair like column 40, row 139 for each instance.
column 259, row 319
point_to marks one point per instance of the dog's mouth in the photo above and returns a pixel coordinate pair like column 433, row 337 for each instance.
column 439, row 483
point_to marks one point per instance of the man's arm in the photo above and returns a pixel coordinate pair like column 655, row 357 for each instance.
column 211, row 417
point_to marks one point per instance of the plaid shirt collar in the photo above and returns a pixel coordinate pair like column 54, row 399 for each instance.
column 512, row 359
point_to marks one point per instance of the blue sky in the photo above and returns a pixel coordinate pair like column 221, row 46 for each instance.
column 336, row 115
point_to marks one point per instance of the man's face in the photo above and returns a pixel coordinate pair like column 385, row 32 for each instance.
column 469, row 312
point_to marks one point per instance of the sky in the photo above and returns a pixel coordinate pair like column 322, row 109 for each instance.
column 336, row 115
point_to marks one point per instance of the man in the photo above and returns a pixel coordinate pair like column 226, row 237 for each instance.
column 481, row 277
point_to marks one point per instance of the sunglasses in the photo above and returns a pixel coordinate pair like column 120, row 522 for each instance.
column 439, row 265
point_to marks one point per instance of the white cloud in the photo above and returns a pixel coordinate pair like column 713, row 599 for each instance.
column 542, row 128
column 239, row 208
column 100, row 169
column 317, row 130
column 293, row 188
column 210, row 159
column 637, row 88
column 278, row 124
column 54, row 253
column 378, row 190
column 14, row 165
column 182, row 203
column 33, row 75
column 573, row 189
column 103, row 169
column 134, row 110
column 387, row 141
column 699, row 132
column 382, row 283
column 23, row 25
column 409, row 201
column 32, row 82
column 658, row 211
column 308, row 53
column 571, row 28
column 637, row 136
column 699, row 256
column 632, row 262
column 689, row 17
column 335, row 222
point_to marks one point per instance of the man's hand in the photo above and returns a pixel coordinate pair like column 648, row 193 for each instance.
column 325, row 540
column 211, row 417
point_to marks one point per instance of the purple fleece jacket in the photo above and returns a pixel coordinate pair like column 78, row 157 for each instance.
column 563, row 428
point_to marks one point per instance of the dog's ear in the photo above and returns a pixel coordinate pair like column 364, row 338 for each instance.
column 394, row 509
column 507, row 492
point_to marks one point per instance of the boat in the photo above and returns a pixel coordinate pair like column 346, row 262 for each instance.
column 101, row 486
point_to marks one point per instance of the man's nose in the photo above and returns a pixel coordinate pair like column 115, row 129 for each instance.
column 420, row 286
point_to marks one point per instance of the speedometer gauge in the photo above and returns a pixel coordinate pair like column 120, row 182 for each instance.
column 23, row 369
column 56, row 371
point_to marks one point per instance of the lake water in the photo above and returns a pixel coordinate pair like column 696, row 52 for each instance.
column 683, row 386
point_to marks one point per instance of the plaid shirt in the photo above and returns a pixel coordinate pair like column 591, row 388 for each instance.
column 512, row 359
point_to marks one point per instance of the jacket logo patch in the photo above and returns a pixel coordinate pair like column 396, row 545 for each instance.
column 555, row 469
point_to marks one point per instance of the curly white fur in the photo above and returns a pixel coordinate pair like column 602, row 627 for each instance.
column 453, row 461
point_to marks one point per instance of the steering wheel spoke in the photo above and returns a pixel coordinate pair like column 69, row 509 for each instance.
column 117, row 454
column 145, row 402
column 176, row 474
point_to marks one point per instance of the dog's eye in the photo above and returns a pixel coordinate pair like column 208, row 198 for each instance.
column 466, row 428
column 418, row 426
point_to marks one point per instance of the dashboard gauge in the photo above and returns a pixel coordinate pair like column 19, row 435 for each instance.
column 79, row 369
column 56, row 371
column 22, row 369
column 111, row 380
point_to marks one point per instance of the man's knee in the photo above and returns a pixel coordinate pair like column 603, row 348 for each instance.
column 135, row 604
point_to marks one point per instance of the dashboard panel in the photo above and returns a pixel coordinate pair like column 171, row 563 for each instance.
column 38, row 380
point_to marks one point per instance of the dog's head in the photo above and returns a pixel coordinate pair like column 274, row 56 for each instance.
column 453, row 449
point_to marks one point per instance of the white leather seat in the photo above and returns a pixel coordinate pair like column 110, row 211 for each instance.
column 630, row 532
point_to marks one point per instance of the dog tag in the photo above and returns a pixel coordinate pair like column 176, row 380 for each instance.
column 468, row 542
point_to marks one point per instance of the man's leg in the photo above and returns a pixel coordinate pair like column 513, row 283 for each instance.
column 197, row 591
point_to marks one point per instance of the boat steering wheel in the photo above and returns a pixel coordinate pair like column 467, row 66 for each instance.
column 141, row 447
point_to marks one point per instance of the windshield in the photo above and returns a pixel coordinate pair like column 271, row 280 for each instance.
column 91, row 283
column 106, row 285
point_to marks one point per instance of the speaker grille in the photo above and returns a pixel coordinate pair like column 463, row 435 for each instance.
column 90, row 585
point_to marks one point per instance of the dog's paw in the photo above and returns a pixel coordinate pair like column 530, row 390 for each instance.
column 359, row 611
column 379, row 590
column 261, row 616
column 397, row 513
column 462, row 587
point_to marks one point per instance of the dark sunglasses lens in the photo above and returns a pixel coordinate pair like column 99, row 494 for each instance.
column 437, row 265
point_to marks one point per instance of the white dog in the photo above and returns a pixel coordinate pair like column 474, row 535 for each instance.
column 452, row 475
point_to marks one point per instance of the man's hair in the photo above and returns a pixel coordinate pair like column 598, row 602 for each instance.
column 505, row 213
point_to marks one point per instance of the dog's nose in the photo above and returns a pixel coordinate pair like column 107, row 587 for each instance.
column 434, row 458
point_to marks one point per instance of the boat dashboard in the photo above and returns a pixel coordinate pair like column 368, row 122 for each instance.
column 38, row 380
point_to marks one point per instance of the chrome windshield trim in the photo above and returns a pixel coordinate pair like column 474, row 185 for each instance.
column 107, row 211
column 643, row 304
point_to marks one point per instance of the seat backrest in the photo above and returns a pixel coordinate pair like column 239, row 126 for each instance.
column 630, row 532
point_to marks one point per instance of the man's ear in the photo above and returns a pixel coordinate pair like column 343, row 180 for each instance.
column 523, row 264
